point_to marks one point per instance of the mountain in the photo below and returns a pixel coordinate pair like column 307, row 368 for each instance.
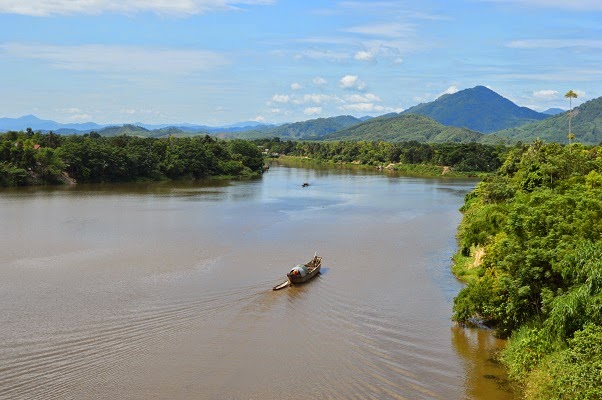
column 480, row 109
column 140, row 131
column 35, row 123
column 402, row 128
column 237, row 127
column 586, row 124
column 310, row 129
column 553, row 111
column 128, row 129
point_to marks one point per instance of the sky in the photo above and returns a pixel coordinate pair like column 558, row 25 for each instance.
column 219, row 62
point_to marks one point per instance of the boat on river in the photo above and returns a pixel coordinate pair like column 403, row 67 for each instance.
column 302, row 273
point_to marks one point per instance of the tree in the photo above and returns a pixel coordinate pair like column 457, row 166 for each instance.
column 570, row 95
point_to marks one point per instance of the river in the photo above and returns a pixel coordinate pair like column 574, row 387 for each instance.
column 163, row 291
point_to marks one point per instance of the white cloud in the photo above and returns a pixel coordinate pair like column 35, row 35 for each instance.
column 312, row 111
column 364, row 56
column 574, row 5
column 328, row 55
column 390, row 30
column 450, row 90
column 317, row 98
column 554, row 43
column 545, row 94
column 296, row 86
column 42, row 8
column 579, row 93
column 258, row 118
column 362, row 98
column 80, row 117
column 319, row 81
column 352, row 82
column 123, row 59
column 363, row 107
column 281, row 98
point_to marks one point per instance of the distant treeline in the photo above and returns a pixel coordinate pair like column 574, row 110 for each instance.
column 34, row 158
column 465, row 157
column 531, row 244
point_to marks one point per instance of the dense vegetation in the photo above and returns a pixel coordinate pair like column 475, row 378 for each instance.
column 586, row 124
column 403, row 128
column 536, row 226
column 467, row 157
column 479, row 109
column 29, row 158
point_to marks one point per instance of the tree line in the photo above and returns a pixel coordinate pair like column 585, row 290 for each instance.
column 465, row 157
column 35, row 158
column 537, row 227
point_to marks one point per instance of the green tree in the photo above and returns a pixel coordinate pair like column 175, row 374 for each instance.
column 570, row 95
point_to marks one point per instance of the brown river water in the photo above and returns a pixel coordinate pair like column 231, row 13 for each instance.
column 164, row 291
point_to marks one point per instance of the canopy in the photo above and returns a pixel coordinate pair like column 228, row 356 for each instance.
column 302, row 270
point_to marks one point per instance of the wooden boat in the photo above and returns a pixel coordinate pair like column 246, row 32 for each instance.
column 302, row 273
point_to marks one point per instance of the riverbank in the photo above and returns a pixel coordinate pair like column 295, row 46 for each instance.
column 28, row 158
column 530, row 252
column 417, row 170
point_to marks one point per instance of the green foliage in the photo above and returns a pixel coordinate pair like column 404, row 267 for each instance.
column 12, row 176
column 539, row 220
column 464, row 157
column 526, row 349
column 28, row 158
column 586, row 124
column 571, row 373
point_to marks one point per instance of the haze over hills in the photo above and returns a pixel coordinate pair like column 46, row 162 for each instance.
column 35, row 123
column 586, row 124
column 476, row 107
column 479, row 109
column 553, row 111
column 402, row 128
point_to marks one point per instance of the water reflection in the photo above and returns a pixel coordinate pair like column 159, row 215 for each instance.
column 164, row 290
column 485, row 378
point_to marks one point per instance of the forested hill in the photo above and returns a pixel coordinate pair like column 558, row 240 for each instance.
column 586, row 124
column 479, row 109
column 310, row 129
column 403, row 128
column 139, row 131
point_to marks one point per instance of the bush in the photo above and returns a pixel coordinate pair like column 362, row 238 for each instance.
column 572, row 373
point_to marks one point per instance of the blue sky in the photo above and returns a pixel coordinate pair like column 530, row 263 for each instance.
column 218, row 62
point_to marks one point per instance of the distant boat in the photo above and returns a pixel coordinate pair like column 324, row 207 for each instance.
column 302, row 273
column 305, row 184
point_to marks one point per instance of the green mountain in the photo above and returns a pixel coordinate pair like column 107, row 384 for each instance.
column 479, row 109
column 310, row 129
column 403, row 128
column 586, row 124
column 128, row 129
column 135, row 130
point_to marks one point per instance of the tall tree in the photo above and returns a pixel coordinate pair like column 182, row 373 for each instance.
column 570, row 95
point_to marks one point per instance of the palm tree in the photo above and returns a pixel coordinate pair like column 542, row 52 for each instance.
column 570, row 95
